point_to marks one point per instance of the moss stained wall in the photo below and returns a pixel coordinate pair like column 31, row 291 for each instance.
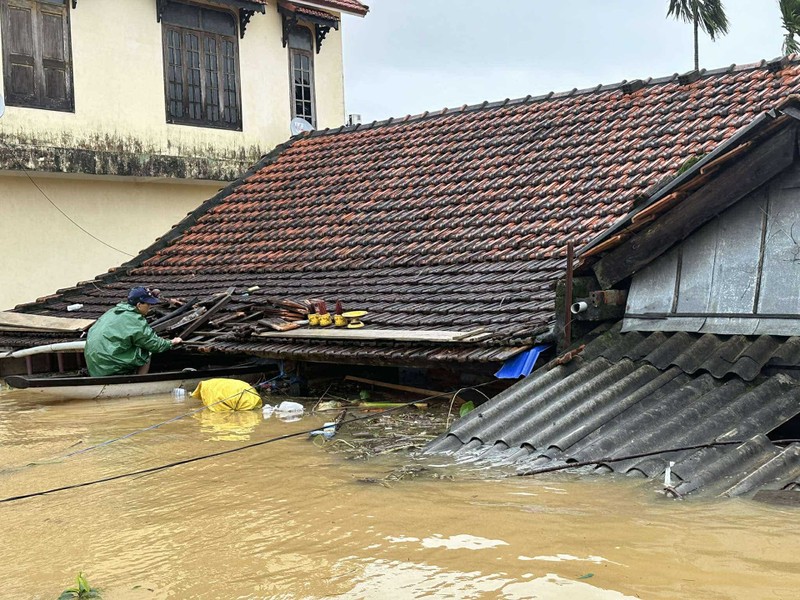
column 120, row 108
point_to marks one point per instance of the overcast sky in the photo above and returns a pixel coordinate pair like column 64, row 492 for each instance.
column 408, row 56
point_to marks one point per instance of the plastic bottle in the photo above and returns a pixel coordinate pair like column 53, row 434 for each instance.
column 179, row 394
column 328, row 430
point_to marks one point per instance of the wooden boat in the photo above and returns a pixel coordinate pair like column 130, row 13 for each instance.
column 124, row 386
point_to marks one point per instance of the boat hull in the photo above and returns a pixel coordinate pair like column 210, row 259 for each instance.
column 126, row 386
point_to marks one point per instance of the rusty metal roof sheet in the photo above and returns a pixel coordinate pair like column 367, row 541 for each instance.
column 631, row 394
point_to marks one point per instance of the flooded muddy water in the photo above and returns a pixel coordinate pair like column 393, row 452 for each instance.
column 291, row 520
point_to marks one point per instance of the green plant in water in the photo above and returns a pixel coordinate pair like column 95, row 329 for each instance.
column 81, row 590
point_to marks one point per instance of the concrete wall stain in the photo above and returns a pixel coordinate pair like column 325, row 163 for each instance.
column 122, row 156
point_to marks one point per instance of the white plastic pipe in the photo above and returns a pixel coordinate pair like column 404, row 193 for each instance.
column 60, row 347
column 578, row 307
column 668, row 474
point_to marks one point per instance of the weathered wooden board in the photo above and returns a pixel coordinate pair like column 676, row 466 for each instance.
column 746, row 259
column 736, row 259
column 399, row 335
column 25, row 322
column 697, row 270
column 691, row 324
column 653, row 289
column 756, row 168
column 780, row 279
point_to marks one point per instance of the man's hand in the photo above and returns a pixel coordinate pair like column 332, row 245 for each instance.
column 176, row 341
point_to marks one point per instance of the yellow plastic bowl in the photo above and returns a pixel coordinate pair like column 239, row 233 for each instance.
column 354, row 314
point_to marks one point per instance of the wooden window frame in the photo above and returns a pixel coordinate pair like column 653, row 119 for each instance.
column 203, row 37
column 38, row 99
column 292, row 97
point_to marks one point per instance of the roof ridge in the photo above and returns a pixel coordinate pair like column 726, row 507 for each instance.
column 777, row 63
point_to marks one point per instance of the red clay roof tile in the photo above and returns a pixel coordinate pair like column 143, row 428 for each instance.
column 470, row 209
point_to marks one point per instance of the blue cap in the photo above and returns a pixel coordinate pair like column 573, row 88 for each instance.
column 142, row 294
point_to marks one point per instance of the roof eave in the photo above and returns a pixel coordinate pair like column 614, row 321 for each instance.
column 324, row 5
column 619, row 252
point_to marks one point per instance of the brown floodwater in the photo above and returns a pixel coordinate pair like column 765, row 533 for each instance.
column 292, row 520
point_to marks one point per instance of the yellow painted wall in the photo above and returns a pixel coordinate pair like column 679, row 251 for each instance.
column 119, row 108
column 43, row 251
column 119, row 87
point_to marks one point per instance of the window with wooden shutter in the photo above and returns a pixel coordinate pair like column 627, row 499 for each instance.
column 201, row 66
column 301, row 71
column 37, row 56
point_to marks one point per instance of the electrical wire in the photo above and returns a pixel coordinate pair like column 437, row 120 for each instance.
column 66, row 216
column 172, row 420
column 129, row 435
column 601, row 461
column 222, row 452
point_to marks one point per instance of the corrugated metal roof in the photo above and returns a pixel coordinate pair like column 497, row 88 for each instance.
column 632, row 394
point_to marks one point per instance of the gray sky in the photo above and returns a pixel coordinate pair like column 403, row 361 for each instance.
column 408, row 56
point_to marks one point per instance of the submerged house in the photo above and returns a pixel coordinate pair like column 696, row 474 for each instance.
column 450, row 229
column 701, row 377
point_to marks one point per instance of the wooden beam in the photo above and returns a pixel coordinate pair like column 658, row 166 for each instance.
column 662, row 205
column 22, row 321
column 398, row 335
column 734, row 183
column 208, row 314
column 400, row 388
column 603, row 246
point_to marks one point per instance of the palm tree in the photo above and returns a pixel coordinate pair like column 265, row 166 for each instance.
column 790, row 13
column 708, row 15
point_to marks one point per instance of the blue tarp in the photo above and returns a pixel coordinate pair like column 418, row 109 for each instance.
column 521, row 364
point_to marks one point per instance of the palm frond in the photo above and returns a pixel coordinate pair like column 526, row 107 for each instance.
column 790, row 44
column 711, row 15
column 713, row 19
column 790, row 15
column 681, row 9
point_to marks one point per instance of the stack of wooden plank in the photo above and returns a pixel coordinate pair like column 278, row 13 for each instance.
column 230, row 314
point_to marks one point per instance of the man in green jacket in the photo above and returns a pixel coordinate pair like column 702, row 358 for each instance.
column 121, row 342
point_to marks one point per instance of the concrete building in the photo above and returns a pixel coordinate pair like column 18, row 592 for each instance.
column 123, row 115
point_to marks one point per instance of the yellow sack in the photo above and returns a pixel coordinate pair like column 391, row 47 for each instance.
column 225, row 395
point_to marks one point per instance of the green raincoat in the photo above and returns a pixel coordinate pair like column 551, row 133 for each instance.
column 120, row 342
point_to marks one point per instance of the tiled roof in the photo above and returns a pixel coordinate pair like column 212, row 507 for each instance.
column 449, row 220
column 632, row 394
column 349, row 6
column 319, row 14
